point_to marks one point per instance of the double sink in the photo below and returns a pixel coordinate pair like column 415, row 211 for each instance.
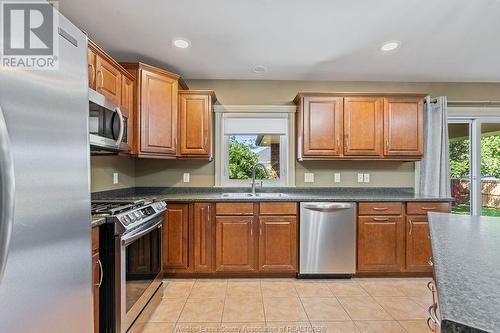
column 242, row 195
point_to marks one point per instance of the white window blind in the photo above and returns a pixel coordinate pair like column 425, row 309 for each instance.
column 255, row 126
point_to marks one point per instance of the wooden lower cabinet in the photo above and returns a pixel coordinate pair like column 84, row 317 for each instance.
column 234, row 244
column 418, row 244
column 381, row 244
column 203, row 237
column 278, row 244
column 175, row 238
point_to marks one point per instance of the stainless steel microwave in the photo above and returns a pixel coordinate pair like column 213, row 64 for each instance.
column 107, row 124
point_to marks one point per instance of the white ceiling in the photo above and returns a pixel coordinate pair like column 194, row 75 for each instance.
column 442, row 40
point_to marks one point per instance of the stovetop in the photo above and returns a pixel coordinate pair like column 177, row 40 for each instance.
column 127, row 214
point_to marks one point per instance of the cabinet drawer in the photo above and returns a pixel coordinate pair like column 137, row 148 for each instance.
column 422, row 208
column 95, row 239
column 234, row 208
column 278, row 208
column 380, row 208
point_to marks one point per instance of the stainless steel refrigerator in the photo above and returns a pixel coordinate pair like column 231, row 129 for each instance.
column 45, row 242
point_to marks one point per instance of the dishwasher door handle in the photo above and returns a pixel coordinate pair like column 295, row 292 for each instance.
column 328, row 207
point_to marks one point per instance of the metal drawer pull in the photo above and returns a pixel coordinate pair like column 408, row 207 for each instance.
column 101, row 274
column 432, row 314
column 429, row 208
column 430, row 262
column 430, row 286
column 380, row 208
column 432, row 327
column 380, row 219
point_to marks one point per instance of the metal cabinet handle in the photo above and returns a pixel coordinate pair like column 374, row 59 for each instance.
column 122, row 126
column 411, row 226
column 380, row 209
column 102, row 79
column 7, row 194
column 387, row 144
column 380, row 219
column 433, row 316
column 101, row 274
column 346, row 141
column 429, row 208
column 208, row 214
column 260, row 228
column 431, row 326
column 338, row 144
column 92, row 71
column 430, row 286
column 430, row 262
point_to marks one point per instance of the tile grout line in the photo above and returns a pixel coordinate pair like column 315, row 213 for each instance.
column 303, row 307
column 183, row 306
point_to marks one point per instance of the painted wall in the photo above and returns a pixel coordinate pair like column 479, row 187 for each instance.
column 143, row 172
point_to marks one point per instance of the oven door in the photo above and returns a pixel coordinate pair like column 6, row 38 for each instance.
column 140, row 267
column 107, row 124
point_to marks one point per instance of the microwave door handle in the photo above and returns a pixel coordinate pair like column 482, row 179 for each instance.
column 7, row 192
column 122, row 126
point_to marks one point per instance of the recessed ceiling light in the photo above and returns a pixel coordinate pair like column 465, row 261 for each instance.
column 181, row 43
column 259, row 69
column 390, row 46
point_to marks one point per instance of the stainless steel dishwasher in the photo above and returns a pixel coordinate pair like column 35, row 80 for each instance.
column 327, row 238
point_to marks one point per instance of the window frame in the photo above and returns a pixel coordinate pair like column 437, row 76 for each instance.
column 287, row 143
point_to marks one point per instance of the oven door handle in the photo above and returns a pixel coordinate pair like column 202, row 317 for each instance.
column 129, row 239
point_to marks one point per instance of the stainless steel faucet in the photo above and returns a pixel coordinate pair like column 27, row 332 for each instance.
column 253, row 175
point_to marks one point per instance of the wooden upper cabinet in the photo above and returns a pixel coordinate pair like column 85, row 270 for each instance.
column 363, row 126
column 175, row 238
column 381, row 244
column 195, row 123
column 155, row 111
column 203, row 237
column 234, row 244
column 108, row 80
column 278, row 243
column 91, row 56
column 320, row 119
column 403, row 126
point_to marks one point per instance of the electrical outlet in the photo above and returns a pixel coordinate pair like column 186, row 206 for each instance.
column 186, row 177
column 115, row 178
column 308, row 177
column 366, row 178
column 361, row 178
column 336, row 177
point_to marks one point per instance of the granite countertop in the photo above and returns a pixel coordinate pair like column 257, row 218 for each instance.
column 466, row 256
column 206, row 194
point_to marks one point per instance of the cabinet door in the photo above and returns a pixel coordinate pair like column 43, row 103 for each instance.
column 403, row 126
column 127, row 104
column 418, row 244
column 195, row 128
column 234, row 244
column 277, row 243
column 108, row 80
column 363, row 126
column 322, row 126
column 175, row 238
column 91, row 57
column 158, row 113
column 203, row 236
column 96, row 274
column 380, row 244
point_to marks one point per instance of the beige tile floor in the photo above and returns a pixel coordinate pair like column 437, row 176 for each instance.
column 288, row 305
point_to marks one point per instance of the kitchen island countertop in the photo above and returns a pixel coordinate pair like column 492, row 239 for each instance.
column 466, row 256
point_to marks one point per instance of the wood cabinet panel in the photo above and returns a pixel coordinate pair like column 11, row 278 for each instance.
column 108, row 79
column 422, row 208
column 203, row 237
column 91, row 57
column 95, row 239
column 277, row 243
column 195, row 123
column 234, row 244
column 418, row 244
column 127, row 104
column 381, row 244
column 322, row 126
column 175, row 238
column 363, row 126
column 158, row 116
column 403, row 126
column 380, row 208
column 234, row 208
column 96, row 274
column 278, row 208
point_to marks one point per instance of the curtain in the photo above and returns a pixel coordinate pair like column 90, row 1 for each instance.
column 434, row 167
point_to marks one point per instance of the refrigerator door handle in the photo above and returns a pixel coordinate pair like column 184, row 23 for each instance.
column 7, row 194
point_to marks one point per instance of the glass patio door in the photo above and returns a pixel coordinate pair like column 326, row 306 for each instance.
column 475, row 165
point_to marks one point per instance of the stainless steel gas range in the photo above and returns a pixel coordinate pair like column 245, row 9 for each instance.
column 130, row 252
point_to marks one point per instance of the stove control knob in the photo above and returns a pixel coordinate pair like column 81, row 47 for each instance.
column 137, row 214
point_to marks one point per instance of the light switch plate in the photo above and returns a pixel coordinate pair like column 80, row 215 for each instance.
column 186, row 177
column 115, row 178
column 361, row 177
column 366, row 178
column 336, row 177
column 308, row 177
